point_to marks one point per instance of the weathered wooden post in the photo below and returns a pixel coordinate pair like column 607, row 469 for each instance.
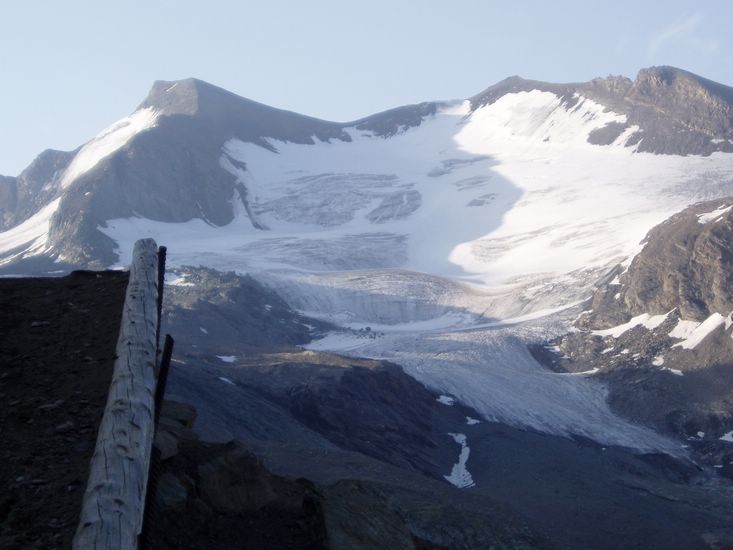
column 113, row 505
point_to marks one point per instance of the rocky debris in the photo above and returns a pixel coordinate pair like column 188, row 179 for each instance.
column 238, row 314
column 223, row 496
column 235, row 482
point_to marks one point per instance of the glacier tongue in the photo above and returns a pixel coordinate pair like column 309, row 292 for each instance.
column 467, row 219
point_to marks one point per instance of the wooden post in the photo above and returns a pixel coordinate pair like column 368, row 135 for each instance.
column 112, row 509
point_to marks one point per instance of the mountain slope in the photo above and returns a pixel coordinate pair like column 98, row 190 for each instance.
column 659, row 333
column 450, row 221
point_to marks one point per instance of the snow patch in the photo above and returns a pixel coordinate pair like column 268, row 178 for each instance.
column 658, row 361
column 683, row 329
column 700, row 332
column 226, row 380
column 202, row 329
column 472, row 421
column 649, row 322
column 676, row 372
column 446, row 400
column 227, row 358
column 31, row 235
column 459, row 475
column 727, row 437
column 713, row 216
column 172, row 279
column 107, row 142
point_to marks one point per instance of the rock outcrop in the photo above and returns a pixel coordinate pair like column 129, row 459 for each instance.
column 660, row 332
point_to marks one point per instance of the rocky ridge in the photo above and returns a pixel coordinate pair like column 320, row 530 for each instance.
column 659, row 332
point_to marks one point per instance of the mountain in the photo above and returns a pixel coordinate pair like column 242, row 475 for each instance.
column 658, row 332
column 385, row 295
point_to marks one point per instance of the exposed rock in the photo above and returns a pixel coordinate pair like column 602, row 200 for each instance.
column 171, row 492
column 166, row 443
column 682, row 277
column 235, row 482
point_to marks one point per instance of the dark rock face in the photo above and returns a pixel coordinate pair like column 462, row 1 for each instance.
column 677, row 112
column 391, row 122
column 684, row 264
column 685, row 271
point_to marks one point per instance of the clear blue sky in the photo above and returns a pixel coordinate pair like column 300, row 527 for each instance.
column 71, row 68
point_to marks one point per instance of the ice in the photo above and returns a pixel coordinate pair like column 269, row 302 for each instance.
column 713, row 216
column 491, row 370
column 202, row 329
column 697, row 335
column 459, row 475
column 227, row 358
column 472, row 421
column 727, row 437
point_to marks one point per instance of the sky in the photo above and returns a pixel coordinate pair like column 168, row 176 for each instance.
column 72, row 68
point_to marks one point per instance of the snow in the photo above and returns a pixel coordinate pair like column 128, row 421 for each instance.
column 202, row 329
column 30, row 237
column 446, row 400
column 107, row 142
column 459, row 475
column 462, row 240
column 676, row 372
column 713, row 216
column 700, row 434
column 727, row 437
column 226, row 380
column 176, row 280
column 472, row 421
column 649, row 322
column 227, row 358
column 658, row 361
column 580, row 373
column 701, row 331
column 683, row 329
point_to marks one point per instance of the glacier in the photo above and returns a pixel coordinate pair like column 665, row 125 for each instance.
column 461, row 240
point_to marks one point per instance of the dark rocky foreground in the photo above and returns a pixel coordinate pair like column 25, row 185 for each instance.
column 277, row 447
column 57, row 347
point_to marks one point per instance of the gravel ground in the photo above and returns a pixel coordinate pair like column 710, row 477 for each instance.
column 57, row 348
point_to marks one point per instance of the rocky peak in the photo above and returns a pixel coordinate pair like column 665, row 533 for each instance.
column 697, row 103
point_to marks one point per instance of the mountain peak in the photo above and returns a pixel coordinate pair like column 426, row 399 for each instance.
column 686, row 85
column 188, row 96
